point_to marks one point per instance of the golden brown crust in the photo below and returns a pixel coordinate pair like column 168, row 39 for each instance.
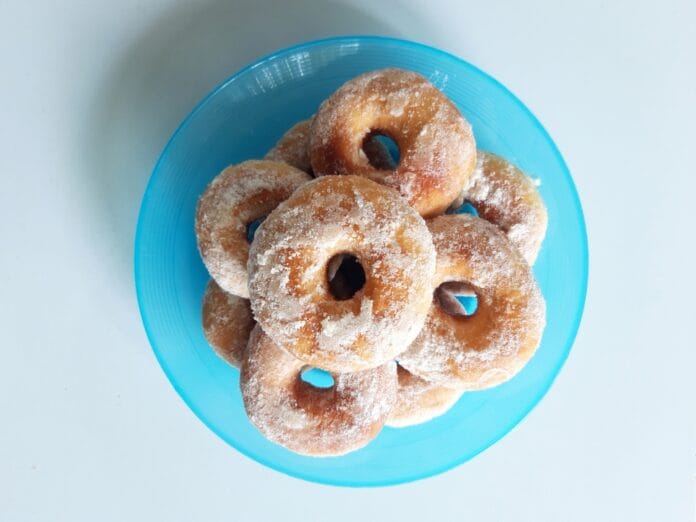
column 288, row 280
column 309, row 420
column 493, row 344
column 293, row 149
column 239, row 195
column 437, row 149
column 508, row 198
column 418, row 400
column 227, row 323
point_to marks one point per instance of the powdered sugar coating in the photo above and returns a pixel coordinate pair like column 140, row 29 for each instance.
column 494, row 343
column 288, row 282
column 508, row 198
column 293, row 149
column 308, row 420
column 418, row 400
column 227, row 323
column 239, row 195
column 437, row 149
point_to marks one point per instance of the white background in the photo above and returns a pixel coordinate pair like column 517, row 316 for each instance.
column 90, row 91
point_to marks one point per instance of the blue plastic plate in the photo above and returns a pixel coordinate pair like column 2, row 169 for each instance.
column 242, row 119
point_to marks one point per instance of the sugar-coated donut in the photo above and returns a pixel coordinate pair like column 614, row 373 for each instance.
column 227, row 323
column 489, row 347
column 418, row 400
column 239, row 195
column 293, row 149
column 308, row 420
column 294, row 250
column 436, row 145
column 507, row 197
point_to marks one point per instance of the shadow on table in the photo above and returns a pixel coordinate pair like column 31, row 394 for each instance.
column 165, row 72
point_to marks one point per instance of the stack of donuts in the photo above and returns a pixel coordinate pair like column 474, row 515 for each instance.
column 334, row 252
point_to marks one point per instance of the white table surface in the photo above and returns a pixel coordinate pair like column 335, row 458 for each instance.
column 90, row 428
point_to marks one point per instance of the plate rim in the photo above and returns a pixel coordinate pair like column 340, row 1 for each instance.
column 357, row 39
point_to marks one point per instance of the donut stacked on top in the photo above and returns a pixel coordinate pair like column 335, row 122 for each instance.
column 334, row 252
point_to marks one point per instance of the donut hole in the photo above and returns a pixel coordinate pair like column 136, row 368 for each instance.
column 470, row 303
column 465, row 208
column 345, row 276
column 251, row 229
column 375, row 144
column 457, row 298
column 316, row 377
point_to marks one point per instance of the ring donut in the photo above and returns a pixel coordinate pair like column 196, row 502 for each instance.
column 308, row 420
column 290, row 260
column 436, row 146
column 239, row 195
column 227, row 323
column 418, row 400
column 504, row 195
column 293, row 149
column 489, row 347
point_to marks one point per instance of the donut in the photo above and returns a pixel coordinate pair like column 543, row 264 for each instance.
column 388, row 256
column 227, row 323
column 504, row 195
column 239, row 195
column 293, row 149
column 308, row 420
column 436, row 146
column 418, row 400
column 473, row 352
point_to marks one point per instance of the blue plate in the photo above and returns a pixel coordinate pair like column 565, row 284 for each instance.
column 242, row 119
